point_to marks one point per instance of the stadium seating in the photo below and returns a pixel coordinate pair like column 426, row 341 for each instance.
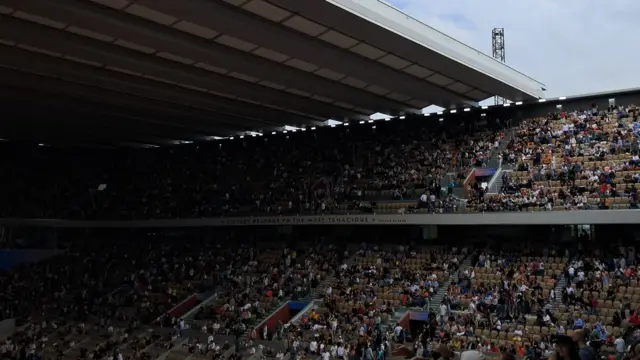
column 375, row 284
column 374, row 287
column 304, row 172
column 574, row 162
column 99, row 298
column 362, row 168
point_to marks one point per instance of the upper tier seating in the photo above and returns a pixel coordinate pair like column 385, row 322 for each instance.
column 302, row 172
column 571, row 162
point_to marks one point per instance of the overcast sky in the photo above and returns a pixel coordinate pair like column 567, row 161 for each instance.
column 572, row 46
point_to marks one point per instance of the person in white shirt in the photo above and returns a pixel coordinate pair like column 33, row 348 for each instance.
column 472, row 307
column 572, row 273
column 313, row 346
column 620, row 347
column 443, row 313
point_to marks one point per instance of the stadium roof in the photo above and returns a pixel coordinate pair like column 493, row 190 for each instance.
column 156, row 71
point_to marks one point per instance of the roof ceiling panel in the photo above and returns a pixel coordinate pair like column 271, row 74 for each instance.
column 266, row 10
column 39, row 50
column 368, row 51
column 298, row 92
column 272, row 85
column 162, row 70
column 236, row 2
column 82, row 61
column 195, row 29
column 330, row 74
column 158, row 79
column 305, row 26
column 478, row 95
column 271, row 55
column 235, row 43
column 89, row 33
column 211, row 68
column 174, row 57
column 164, row 39
column 351, row 81
column 338, row 39
column 150, row 14
column 191, row 87
column 408, row 41
column 344, row 105
column 302, row 65
column 124, row 71
column 270, row 35
column 116, row 4
column 394, row 61
column 418, row 71
column 134, row 46
column 225, row 108
column 379, row 90
column 440, row 79
column 244, row 77
column 307, row 85
column 39, row 20
column 459, row 87
column 420, row 104
column 364, row 111
column 398, row 96
column 322, row 98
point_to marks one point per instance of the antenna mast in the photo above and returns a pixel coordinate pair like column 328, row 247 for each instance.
column 497, row 45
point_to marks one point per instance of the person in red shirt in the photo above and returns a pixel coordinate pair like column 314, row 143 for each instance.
column 634, row 319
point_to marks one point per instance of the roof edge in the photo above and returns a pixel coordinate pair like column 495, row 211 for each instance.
column 402, row 24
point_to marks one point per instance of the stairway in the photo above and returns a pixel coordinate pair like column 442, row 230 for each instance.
column 436, row 300
column 494, row 162
column 560, row 285
column 398, row 313
column 496, row 185
column 316, row 293
column 260, row 317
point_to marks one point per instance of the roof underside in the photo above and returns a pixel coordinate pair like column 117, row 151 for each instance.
column 156, row 71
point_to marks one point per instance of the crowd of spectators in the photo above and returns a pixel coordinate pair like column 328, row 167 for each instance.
column 535, row 304
column 574, row 160
column 583, row 159
column 246, row 299
column 302, row 172
column 123, row 300
column 111, row 300
column 354, row 319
